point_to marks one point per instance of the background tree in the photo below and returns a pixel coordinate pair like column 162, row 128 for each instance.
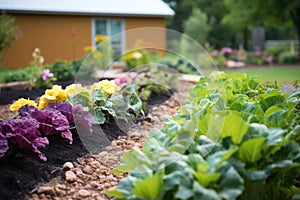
column 268, row 13
column 197, row 26
column 8, row 32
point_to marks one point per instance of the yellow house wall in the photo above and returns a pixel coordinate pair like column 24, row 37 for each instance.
column 52, row 34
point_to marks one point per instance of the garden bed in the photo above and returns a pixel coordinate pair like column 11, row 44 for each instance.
column 20, row 176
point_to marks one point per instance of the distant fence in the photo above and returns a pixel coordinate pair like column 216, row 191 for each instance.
column 292, row 45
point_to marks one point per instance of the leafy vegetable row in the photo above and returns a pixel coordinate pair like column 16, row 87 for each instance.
column 234, row 138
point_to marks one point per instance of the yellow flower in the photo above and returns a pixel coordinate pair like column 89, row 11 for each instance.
column 89, row 49
column 100, row 38
column 56, row 94
column 74, row 89
column 96, row 55
column 136, row 55
column 108, row 87
column 22, row 102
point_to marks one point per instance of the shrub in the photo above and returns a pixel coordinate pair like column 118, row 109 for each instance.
column 8, row 32
column 18, row 75
column 274, row 51
column 287, row 57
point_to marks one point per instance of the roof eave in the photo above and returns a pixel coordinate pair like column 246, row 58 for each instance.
column 90, row 13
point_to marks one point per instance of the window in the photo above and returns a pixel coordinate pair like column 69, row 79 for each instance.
column 111, row 27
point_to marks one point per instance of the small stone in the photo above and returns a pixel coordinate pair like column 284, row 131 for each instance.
column 67, row 166
column 46, row 190
column 60, row 192
column 84, row 193
column 70, row 176
column 88, row 170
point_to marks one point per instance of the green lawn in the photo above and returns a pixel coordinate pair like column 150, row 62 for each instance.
column 280, row 74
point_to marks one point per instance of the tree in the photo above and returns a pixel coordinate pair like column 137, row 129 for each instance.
column 197, row 27
column 8, row 32
column 219, row 34
column 245, row 13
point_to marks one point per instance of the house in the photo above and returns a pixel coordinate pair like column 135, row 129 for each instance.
column 62, row 28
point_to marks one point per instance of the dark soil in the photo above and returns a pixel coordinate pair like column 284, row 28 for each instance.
column 22, row 175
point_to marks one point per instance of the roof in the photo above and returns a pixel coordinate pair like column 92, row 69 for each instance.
column 90, row 7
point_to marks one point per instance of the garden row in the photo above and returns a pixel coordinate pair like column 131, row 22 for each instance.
column 233, row 138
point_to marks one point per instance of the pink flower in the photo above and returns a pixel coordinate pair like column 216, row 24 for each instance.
column 46, row 74
column 215, row 52
column 206, row 45
column 120, row 80
column 225, row 50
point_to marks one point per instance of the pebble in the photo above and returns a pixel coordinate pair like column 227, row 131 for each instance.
column 46, row 190
column 67, row 166
column 70, row 176
column 84, row 193
column 88, row 170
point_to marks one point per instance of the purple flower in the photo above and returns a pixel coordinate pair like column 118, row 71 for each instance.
column 52, row 122
column 65, row 109
column 22, row 134
column 46, row 74
column 75, row 115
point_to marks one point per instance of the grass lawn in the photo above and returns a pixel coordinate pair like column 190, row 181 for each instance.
column 280, row 74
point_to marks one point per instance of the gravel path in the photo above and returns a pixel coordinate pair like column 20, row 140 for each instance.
column 93, row 174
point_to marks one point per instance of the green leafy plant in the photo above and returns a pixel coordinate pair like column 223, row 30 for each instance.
column 8, row 32
column 234, row 138
column 287, row 57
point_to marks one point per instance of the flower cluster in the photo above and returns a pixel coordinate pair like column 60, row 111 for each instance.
column 56, row 94
column 101, row 38
column 21, row 102
column 106, row 86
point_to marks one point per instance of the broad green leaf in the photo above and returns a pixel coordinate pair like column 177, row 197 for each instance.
column 231, row 185
column 206, row 178
column 82, row 98
column 250, row 150
column 217, row 159
column 149, row 188
column 272, row 101
column 114, row 193
column 99, row 117
column 132, row 159
column 234, row 127
column 184, row 192
column 98, row 97
column 237, row 85
column 294, row 134
column 200, row 192
column 275, row 117
column 258, row 130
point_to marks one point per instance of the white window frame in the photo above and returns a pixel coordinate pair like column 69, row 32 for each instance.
column 123, row 37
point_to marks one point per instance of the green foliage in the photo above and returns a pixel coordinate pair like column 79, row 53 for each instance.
column 123, row 105
column 287, row 57
column 233, row 138
column 64, row 70
column 136, row 59
column 197, row 26
column 274, row 51
column 179, row 64
column 8, row 32
column 17, row 75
